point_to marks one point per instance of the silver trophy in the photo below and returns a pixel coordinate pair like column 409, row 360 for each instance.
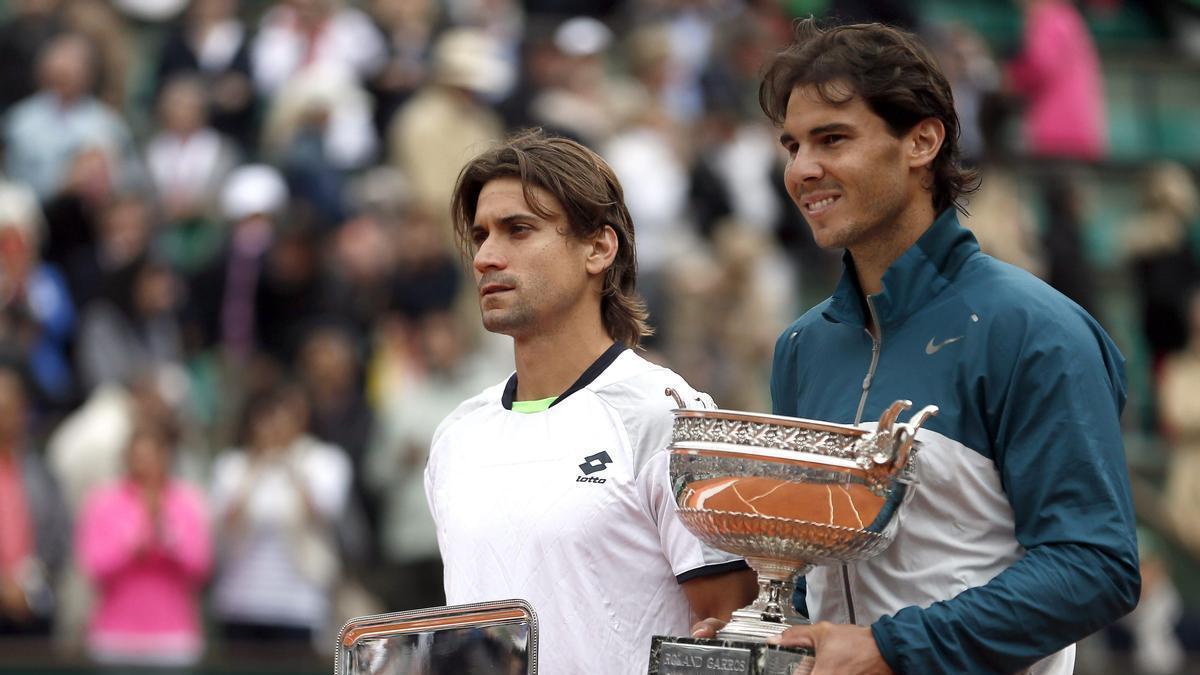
column 786, row 494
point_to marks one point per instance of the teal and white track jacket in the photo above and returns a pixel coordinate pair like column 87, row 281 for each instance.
column 1019, row 538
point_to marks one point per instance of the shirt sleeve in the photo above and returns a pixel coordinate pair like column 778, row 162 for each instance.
column 109, row 535
column 429, row 491
column 188, row 537
column 650, row 436
column 1055, row 426
column 439, row 436
column 326, row 472
column 689, row 557
column 229, row 471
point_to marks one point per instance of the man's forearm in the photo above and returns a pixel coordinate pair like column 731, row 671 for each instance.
column 1053, row 597
column 720, row 595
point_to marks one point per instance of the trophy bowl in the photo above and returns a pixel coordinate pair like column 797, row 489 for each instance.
column 788, row 493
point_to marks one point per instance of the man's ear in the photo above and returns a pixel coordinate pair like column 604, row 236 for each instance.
column 602, row 251
column 924, row 141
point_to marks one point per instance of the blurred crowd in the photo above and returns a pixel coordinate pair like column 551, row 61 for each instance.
column 232, row 313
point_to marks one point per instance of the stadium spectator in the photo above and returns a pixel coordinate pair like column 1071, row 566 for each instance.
column 44, row 132
column 1179, row 403
column 723, row 315
column 650, row 155
column 73, row 212
column 34, row 524
column 212, row 42
column 974, row 77
column 37, row 315
column 151, row 11
column 449, row 370
column 580, row 97
column 276, row 500
column 318, row 128
column 1159, row 242
column 124, row 228
column 1058, row 74
column 1068, row 268
column 1154, row 624
column 144, row 543
column 134, row 326
column 298, row 35
column 188, row 162
column 433, row 135
column 115, row 50
column 87, row 450
column 360, row 268
column 224, row 294
column 428, row 278
column 409, row 29
column 1004, row 222
column 28, row 27
column 328, row 367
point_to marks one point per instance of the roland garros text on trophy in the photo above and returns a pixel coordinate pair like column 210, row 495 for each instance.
column 786, row 494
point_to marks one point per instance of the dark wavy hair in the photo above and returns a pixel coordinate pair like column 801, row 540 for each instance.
column 591, row 197
column 892, row 72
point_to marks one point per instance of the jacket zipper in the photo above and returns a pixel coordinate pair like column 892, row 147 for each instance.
column 876, row 347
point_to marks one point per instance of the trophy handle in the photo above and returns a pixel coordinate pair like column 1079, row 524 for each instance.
column 678, row 399
column 884, row 454
column 876, row 452
column 889, row 416
column 907, row 434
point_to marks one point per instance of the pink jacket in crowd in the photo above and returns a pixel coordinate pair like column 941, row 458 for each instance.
column 147, row 588
column 1058, row 71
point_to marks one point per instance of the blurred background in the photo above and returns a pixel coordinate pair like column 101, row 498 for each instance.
column 232, row 315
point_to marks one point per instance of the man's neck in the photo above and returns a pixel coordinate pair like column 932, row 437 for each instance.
column 550, row 362
column 873, row 258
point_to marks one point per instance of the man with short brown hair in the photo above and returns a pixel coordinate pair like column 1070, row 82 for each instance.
column 1018, row 539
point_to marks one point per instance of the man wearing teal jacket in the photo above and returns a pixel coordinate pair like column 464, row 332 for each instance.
column 1018, row 539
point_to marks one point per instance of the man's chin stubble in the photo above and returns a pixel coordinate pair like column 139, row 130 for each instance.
column 504, row 325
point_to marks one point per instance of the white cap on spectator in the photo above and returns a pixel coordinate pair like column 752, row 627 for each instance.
column 19, row 210
column 582, row 36
column 151, row 10
column 471, row 59
column 253, row 189
column 383, row 188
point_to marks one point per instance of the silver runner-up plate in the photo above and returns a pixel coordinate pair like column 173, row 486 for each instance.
column 489, row 638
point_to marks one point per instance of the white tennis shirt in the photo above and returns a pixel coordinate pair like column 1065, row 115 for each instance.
column 571, row 509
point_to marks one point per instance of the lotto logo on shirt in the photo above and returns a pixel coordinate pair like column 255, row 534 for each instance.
column 594, row 464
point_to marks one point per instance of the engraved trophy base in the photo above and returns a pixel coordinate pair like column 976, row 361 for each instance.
column 706, row 656
column 741, row 648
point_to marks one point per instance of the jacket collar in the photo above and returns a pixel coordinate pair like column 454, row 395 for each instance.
column 918, row 275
